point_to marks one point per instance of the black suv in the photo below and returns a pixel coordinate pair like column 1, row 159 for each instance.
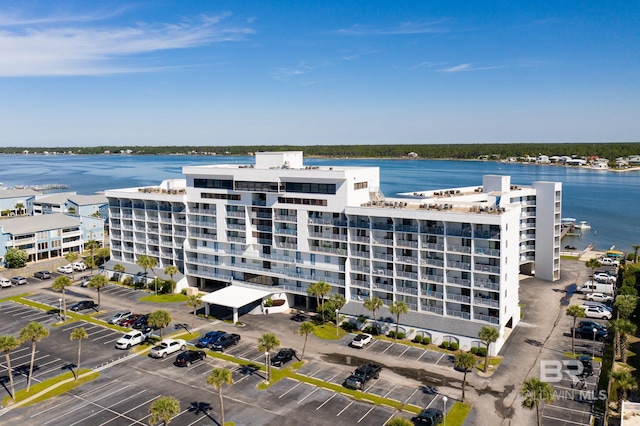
column 186, row 358
column 283, row 356
column 140, row 323
column 43, row 275
column 82, row 305
column 585, row 331
column 429, row 417
column 225, row 341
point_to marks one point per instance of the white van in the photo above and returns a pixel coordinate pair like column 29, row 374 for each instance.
column 596, row 287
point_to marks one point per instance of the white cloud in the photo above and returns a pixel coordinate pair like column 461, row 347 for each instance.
column 401, row 29
column 469, row 67
column 285, row 74
column 35, row 49
column 360, row 54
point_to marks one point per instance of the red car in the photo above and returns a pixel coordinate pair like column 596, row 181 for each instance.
column 129, row 320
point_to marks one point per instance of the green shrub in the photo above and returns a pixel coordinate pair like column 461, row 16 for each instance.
column 374, row 331
column 444, row 345
column 454, row 346
column 128, row 281
column 474, row 350
column 482, row 352
column 348, row 326
column 401, row 335
column 184, row 292
column 391, row 334
column 417, row 339
column 426, row 340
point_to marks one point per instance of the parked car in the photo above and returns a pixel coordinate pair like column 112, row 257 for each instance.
column 5, row 283
column 141, row 322
column 185, row 359
column 282, row 357
column 79, row 266
column 602, row 305
column 607, row 261
column 362, row 375
column 43, row 275
column 586, row 332
column 599, row 297
column 118, row 316
column 85, row 282
column 209, row 339
column 129, row 320
column 361, row 340
column 596, row 287
column 82, row 305
column 596, row 312
column 19, row 280
column 592, row 325
column 429, row 417
column 225, row 341
column 583, row 365
column 603, row 277
column 65, row 269
column 132, row 338
column 167, row 347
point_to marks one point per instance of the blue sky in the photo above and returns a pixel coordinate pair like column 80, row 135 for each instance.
column 159, row 72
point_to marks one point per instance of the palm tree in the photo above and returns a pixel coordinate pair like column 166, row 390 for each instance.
column 625, row 305
column 159, row 319
column 91, row 245
column 362, row 320
column 7, row 344
column 488, row 335
column 624, row 383
column 72, row 257
column 398, row 308
column 575, row 311
column 98, row 282
column 33, row 332
column 534, row 392
column 102, row 254
column 171, row 270
column 399, row 421
column 373, row 304
column 266, row 343
column 60, row 284
column 594, row 264
column 320, row 290
column 194, row 301
column 465, row 361
column 147, row 262
column 623, row 328
column 305, row 329
column 119, row 268
column 78, row 334
column 635, row 253
column 163, row 410
column 217, row 378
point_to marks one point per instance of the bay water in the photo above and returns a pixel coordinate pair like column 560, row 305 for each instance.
column 608, row 201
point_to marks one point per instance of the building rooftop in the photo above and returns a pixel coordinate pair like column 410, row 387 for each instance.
column 11, row 193
column 31, row 224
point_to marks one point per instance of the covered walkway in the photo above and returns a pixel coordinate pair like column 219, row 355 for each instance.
column 234, row 297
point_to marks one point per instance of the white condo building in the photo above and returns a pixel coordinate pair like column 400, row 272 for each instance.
column 251, row 232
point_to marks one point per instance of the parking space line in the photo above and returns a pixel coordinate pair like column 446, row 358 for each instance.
column 390, row 390
column 569, row 409
column 565, row 420
column 297, row 384
column 372, row 343
column 387, row 421
column 311, row 375
column 388, row 347
column 408, row 347
column 125, row 412
column 330, row 398
column 87, row 403
column 411, row 396
column 441, row 356
column 343, row 410
column 308, row 395
column 366, row 414
column 197, row 421
column 432, row 401
column 110, row 335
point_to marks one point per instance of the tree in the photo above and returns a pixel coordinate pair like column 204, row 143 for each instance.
column 217, row 378
column 624, row 382
column 398, row 308
column 635, row 253
column 146, row 263
column 594, row 264
column 623, row 328
column 266, row 343
column 465, row 361
column 72, row 257
column 159, row 319
column 625, row 305
column 102, row 254
column 335, row 302
column 7, row 344
column 320, row 289
column 163, row 410
column 575, row 311
column 119, row 268
column 373, row 304
column 533, row 392
column 97, row 282
column 19, row 209
column 194, row 301
column 171, row 270
column 399, row 421
column 91, row 245
column 15, row 258
column 78, row 334
column 305, row 329
column 32, row 332
column 488, row 335
column 60, row 284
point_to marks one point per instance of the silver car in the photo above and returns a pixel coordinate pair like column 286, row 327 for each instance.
column 118, row 316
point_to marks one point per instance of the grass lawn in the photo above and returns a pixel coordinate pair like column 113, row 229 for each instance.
column 458, row 413
column 328, row 332
column 493, row 362
column 570, row 355
column 165, row 298
column 38, row 387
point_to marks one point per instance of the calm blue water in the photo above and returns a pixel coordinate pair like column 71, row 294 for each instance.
column 608, row 201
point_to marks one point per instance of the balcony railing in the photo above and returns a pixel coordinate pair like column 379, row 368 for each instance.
column 433, row 262
column 487, row 235
column 383, row 226
column 433, row 294
column 432, row 309
column 382, row 271
column 487, row 318
column 410, row 275
column 233, row 213
column 360, row 283
column 433, row 278
column 487, row 268
column 407, row 290
column 363, row 254
column 407, row 259
column 383, row 241
column 437, row 230
column 459, row 265
column 459, row 249
column 486, row 302
column 487, row 284
column 458, row 314
column 459, row 232
column 483, row 251
column 459, row 298
column 459, row 281
column 383, row 256
column 433, row 246
column 407, row 243
column 385, row 287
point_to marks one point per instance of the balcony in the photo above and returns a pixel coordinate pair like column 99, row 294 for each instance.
column 459, row 298
column 407, row 243
column 383, row 241
column 433, row 246
column 357, row 268
column 239, row 226
column 487, row 235
column 487, row 318
column 435, row 230
column 459, row 265
column 410, row 275
column 284, row 231
column 360, row 284
column 406, row 228
column 361, row 224
column 433, row 294
column 338, row 251
column 383, row 256
column 407, row 290
column 384, row 287
column 286, row 218
column 233, row 213
column 458, row 314
column 407, row 259
column 459, row 249
column 487, row 268
column 433, row 309
column 382, row 271
column 483, row 251
column 459, row 232
column 434, row 262
column 382, row 226
column 282, row 245
column 459, row 281
column 433, row 278
column 360, row 239
column 362, row 254
column 487, row 284
column 486, row 302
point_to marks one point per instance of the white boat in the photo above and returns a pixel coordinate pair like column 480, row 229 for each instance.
column 583, row 225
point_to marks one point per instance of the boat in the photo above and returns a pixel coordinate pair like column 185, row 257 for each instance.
column 569, row 247
column 583, row 225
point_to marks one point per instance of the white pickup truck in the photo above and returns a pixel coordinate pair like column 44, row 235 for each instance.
column 132, row 338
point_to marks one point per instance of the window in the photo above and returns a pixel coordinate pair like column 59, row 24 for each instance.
column 233, row 197
column 305, row 201
column 360, row 185
column 257, row 186
column 310, row 188
column 213, row 183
